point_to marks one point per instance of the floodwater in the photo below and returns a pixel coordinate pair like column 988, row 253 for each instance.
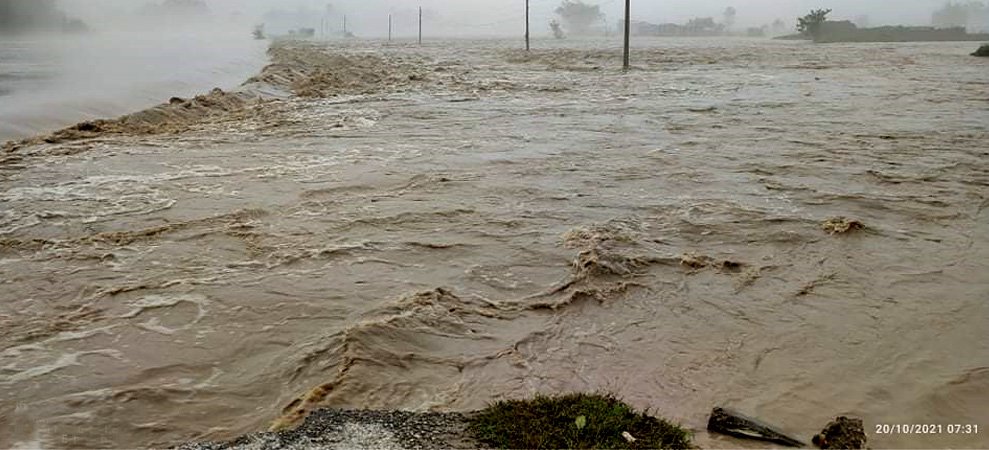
column 519, row 224
column 52, row 81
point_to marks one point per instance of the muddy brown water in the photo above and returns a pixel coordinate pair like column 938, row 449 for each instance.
column 519, row 224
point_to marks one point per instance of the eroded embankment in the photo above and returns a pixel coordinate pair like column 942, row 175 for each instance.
column 296, row 68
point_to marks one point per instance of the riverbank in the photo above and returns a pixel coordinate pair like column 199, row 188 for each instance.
column 296, row 69
column 432, row 228
column 577, row 421
column 844, row 31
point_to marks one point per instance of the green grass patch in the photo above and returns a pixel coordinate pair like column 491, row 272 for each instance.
column 578, row 421
column 982, row 51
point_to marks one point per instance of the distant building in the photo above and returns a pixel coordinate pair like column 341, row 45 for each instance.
column 705, row 26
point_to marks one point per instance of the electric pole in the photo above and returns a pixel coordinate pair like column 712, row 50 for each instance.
column 628, row 32
column 526, row 25
column 389, row 28
column 420, row 25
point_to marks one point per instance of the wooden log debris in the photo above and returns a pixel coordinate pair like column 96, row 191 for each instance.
column 729, row 422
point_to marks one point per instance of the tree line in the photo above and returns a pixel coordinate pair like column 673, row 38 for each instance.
column 16, row 15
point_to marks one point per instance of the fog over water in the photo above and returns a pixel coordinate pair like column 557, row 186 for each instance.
column 133, row 59
column 54, row 81
column 502, row 17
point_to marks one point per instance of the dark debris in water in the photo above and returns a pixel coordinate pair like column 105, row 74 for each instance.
column 844, row 433
column 842, row 225
column 698, row 262
column 732, row 423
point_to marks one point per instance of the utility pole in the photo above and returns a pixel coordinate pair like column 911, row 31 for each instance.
column 327, row 15
column 389, row 28
column 628, row 32
column 344, row 25
column 526, row 25
column 420, row 25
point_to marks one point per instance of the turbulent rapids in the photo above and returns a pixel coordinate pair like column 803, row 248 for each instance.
column 791, row 230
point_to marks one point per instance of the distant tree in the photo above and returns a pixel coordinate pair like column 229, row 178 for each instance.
column 810, row 25
column 557, row 29
column 757, row 31
column 171, row 10
column 779, row 26
column 282, row 21
column 960, row 14
column 186, row 6
column 729, row 15
column 27, row 15
column 75, row 26
column 16, row 15
column 703, row 25
column 578, row 16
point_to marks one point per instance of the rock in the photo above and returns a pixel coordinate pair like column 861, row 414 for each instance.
column 844, row 433
column 93, row 127
column 841, row 225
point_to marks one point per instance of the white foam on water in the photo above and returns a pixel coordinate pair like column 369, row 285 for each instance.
column 155, row 302
column 63, row 361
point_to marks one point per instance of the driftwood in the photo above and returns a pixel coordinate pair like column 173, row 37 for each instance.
column 729, row 422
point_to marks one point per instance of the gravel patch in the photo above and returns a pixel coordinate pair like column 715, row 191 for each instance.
column 344, row 429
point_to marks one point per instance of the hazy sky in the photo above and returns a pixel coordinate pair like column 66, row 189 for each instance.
column 503, row 16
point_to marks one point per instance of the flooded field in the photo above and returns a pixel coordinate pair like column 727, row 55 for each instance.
column 434, row 228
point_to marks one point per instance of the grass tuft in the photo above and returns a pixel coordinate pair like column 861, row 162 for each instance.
column 982, row 51
column 576, row 421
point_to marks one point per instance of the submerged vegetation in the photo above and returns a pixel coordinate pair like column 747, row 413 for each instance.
column 579, row 421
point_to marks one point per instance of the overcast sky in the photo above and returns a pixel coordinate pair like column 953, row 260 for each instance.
column 504, row 16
